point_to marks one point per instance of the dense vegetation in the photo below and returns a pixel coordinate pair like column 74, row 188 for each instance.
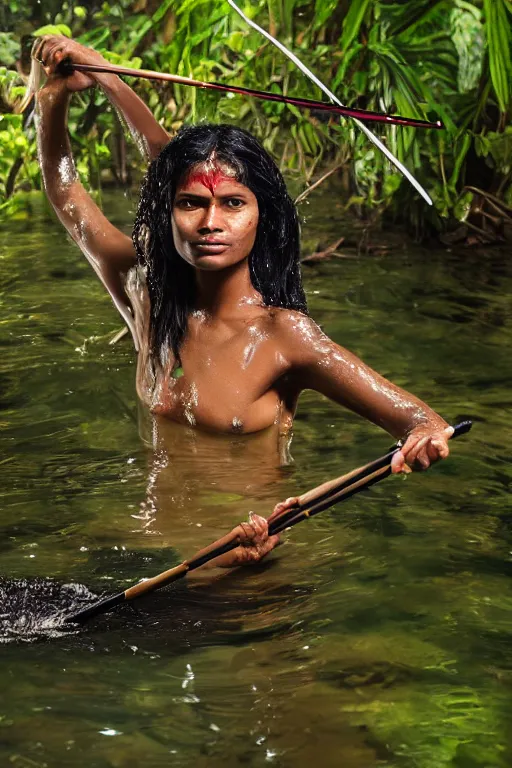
column 448, row 59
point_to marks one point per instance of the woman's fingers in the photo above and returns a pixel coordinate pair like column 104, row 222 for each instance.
column 419, row 454
column 44, row 50
column 432, row 451
column 55, row 56
column 282, row 507
column 435, row 448
column 36, row 49
column 442, row 448
column 79, row 53
column 400, row 461
column 398, row 464
column 421, row 450
column 55, row 51
column 255, row 543
column 253, row 533
column 42, row 47
column 259, row 526
column 248, row 555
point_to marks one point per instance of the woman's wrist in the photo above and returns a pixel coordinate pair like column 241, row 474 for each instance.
column 427, row 426
column 53, row 94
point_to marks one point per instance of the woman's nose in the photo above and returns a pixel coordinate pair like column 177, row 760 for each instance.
column 212, row 220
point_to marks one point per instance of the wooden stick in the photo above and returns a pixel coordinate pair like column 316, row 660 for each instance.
column 309, row 504
column 317, row 183
column 67, row 66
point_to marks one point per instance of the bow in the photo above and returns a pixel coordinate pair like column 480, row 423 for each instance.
column 378, row 143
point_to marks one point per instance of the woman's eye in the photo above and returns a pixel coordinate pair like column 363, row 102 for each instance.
column 235, row 202
column 186, row 204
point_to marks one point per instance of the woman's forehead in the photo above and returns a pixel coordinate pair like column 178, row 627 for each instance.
column 209, row 174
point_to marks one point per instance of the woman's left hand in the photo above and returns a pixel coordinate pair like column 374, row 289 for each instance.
column 255, row 543
column 422, row 448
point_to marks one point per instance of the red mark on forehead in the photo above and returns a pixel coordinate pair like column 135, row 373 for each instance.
column 209, row 179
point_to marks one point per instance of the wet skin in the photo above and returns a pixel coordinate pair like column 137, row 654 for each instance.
column 244, row 364
column 214, row 221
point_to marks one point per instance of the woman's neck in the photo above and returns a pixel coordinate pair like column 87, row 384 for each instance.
column 220, row 292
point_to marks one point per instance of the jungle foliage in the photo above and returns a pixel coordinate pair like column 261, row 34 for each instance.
column 447, row 59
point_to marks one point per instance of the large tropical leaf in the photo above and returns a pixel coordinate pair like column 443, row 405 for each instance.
column 406, row 18
column 468, row 36
column 499, row 39
column 352, row 23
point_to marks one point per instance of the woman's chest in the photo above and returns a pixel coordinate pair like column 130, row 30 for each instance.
column 229, row 385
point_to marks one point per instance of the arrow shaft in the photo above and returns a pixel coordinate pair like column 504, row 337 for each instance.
column 359, row 114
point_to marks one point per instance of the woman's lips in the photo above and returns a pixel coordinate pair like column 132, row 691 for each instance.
column 210, row 247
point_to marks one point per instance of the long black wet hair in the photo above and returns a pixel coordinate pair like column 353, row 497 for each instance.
column 274, row 260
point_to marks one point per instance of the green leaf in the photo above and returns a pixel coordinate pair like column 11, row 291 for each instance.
column 469, row 40
column 9, row 49
column 162, row 10
column 352, row 23
column 235, row 41
column 460, row 156
column 498, row 37
column 53, row 29
column 411, row 16
column 345, row 64
column 185, row 7
column 323, row 11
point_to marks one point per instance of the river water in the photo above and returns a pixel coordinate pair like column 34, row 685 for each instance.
column 379, row 634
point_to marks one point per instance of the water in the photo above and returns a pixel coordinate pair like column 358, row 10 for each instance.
column 379, row 634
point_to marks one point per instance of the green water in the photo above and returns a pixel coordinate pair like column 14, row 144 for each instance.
column 379, row 634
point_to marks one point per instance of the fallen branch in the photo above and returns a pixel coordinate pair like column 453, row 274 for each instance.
column 320, row 255
column 306, row 192
column 119, row 335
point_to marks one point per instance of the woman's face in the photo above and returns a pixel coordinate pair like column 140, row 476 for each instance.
column 214, row 218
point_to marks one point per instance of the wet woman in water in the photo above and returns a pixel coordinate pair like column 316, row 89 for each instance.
column 210, row 285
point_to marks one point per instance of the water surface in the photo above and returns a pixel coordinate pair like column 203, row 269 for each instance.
column 379, row 634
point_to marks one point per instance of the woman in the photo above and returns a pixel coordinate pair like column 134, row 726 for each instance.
column 210, row 286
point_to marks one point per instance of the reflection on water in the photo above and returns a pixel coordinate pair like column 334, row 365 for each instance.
column 198, row 480
column 378, row 634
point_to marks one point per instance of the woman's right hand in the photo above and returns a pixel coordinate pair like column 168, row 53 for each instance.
column 50, row 50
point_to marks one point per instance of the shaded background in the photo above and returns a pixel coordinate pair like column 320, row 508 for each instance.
column 447, row 59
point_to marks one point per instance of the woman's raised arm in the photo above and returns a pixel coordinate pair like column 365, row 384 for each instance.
column 50, row 50
column 110, row 252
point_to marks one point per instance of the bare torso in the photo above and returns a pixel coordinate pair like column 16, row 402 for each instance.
column 232, row 377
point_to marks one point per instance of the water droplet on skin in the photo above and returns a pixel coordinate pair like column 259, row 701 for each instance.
column 67, row 170
column 248, row 355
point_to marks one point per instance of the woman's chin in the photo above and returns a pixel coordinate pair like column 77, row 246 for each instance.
column 211, row 263
column 215, row 262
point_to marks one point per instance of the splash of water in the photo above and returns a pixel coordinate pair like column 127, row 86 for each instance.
column 37, row 609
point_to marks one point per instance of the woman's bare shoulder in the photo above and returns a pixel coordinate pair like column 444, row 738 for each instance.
column 300, row 338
